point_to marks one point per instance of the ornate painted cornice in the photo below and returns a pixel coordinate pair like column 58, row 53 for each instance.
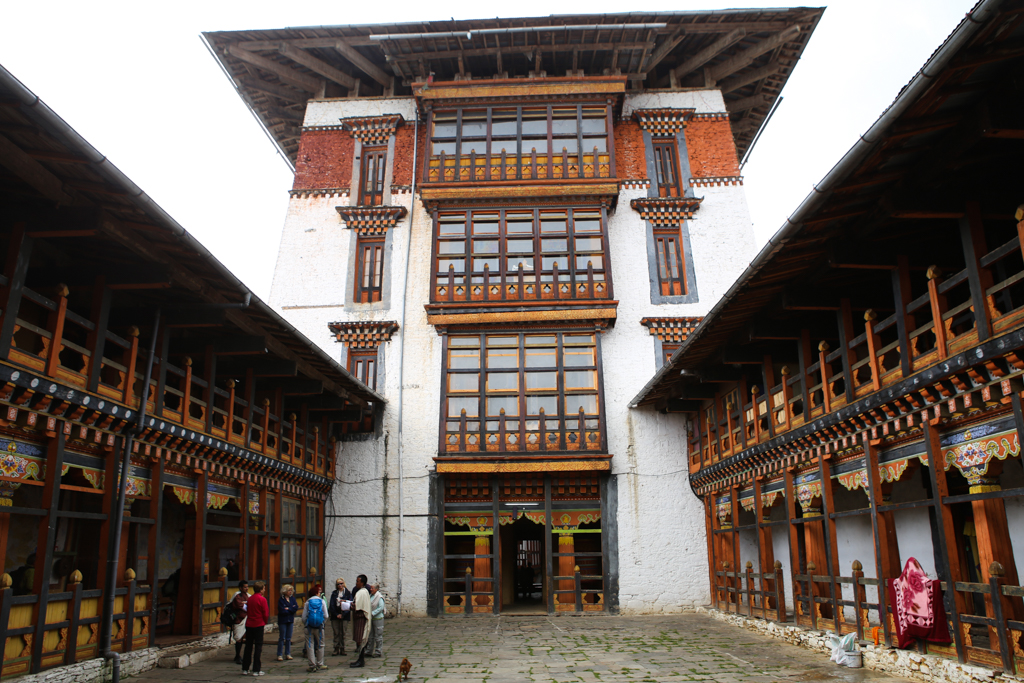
column 360, row 334
column 371, row 220
column 666, row 210
column 671, row 330
column 372, row 130
column 663, row 122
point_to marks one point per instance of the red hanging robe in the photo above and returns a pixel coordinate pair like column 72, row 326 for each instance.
column 916, row 602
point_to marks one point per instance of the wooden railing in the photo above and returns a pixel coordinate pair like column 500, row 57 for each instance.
column 553, row 285
column 68, row 631
column 517, row 434
column 736, row 589
column 936, row 325
column 481, row 168
column 55, row 342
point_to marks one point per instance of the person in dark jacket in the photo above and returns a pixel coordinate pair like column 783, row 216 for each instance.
column 286, row 609
column 336, row 610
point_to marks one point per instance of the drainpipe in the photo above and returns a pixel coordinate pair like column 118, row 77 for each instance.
column 117, row 519
column 401, row 358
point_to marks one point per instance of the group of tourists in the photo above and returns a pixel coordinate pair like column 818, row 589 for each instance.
column 363, row 608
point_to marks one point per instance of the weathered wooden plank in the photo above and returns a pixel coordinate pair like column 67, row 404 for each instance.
column 317, row 66
column 362, row 63
column 16, row 160
column 710, row 52
column 290, row 76
column 737, row 62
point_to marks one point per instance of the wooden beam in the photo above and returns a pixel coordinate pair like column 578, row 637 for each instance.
column 754, row 76
column 745, row 103
column 282, row 113
column 289, row 76
column 528, row 50
column 659, row 53
column 260, row 85
column 710, row 52
column 59, row 157
column 32, row 172
column 317, row 66
column 742, row 59
column 362, row 63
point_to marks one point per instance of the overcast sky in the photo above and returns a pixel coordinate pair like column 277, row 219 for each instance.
column 136, row 81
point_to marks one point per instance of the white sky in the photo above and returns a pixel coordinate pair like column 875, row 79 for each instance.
column 135, row 80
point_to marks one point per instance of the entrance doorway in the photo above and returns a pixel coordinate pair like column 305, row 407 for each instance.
column 522, row 568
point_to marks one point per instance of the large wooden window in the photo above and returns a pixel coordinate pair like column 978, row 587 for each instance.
column 666, row 167
column 369, row 269
column 313, row 544
column 525, row 390
column 362, row 363
column 521, row 254
column 291, row 536
column 524, row 142
column 371, row 176
column 671, row 267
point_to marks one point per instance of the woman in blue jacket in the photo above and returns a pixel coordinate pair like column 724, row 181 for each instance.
column 286, row 609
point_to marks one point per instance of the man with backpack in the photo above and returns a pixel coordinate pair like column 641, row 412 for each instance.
column 314, row 616
column 233, row 616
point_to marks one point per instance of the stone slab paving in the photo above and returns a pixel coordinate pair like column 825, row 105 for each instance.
column 591, row 649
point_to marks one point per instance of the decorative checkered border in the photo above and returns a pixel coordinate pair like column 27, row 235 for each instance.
column 716, row 181
column 671, row 330
column 662, row 122
column 363, row 335
column 666, row 210
column 372, row 130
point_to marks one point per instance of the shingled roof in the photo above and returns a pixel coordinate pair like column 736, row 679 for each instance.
column 748, row 54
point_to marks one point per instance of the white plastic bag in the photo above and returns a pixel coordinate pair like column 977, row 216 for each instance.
column 841, row 646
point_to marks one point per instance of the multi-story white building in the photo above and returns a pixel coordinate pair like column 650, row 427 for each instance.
column 505, row 227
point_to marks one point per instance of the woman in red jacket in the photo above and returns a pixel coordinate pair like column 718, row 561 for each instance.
column 257, row 612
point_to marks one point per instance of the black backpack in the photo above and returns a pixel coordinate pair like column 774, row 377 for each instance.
column 227, row 615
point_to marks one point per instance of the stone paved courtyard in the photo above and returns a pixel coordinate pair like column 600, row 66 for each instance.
column 688, row 647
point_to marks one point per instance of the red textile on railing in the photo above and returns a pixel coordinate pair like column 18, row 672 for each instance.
column 916, row 601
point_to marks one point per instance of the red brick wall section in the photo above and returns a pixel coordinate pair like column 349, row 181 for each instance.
column 711, row 149
column 324, row 160
column 630, row 160
column 403, row 152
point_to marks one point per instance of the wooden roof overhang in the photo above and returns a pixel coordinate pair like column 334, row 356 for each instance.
column 88, row 219
column 748, row 54
column 953, row 134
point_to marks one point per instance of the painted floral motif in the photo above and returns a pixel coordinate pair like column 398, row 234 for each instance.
column 94, row 477
column 851, row 481
column 747, row 504
column 184, row 495
column 724, row 511
column 768, row 499
column 570, row 520
column 15, row 465
column 973, row 456
column 892, row 471
column 216, row 500
column 806, row 493
column 254, row 507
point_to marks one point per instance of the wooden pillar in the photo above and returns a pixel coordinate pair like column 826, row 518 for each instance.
column 845, row 335
column 972, row 235
column 496, row 544
column 156, row 512
column 199, row 566
column 97, row 337
column 566, row 546
column 950, row 551
column 56, row 327
column 246, row 565
column 481, row 568
column 904, row 321
column 794, row 539
column 765, row 547
column 19, row 252
column 548, row 564
column 46, row 538
column 829, row 509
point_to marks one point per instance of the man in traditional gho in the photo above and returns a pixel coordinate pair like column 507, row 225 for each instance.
column 376, row 646
column 361, row 611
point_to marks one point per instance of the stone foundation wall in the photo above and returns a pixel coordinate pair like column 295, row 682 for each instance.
column 906, row 663
column 98, row 670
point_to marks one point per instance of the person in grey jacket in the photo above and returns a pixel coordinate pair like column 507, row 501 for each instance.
column 376, row 646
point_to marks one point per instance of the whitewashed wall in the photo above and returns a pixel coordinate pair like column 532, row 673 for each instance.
column 662, row 543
